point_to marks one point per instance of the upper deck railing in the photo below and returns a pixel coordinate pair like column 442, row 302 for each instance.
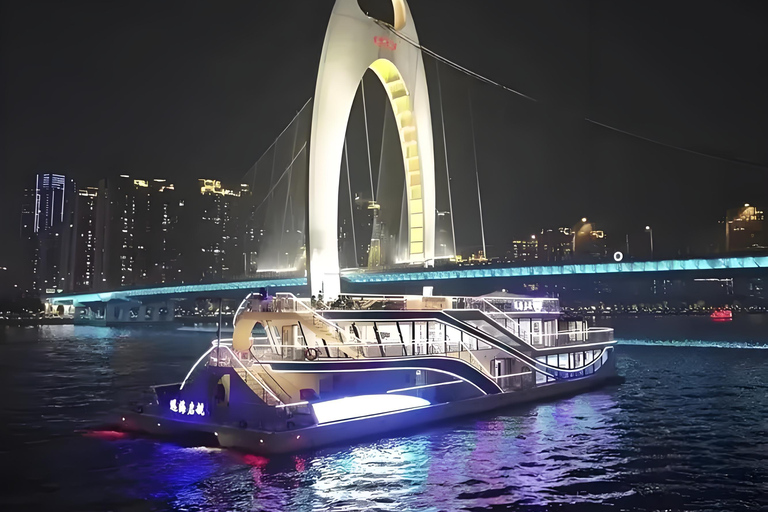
column 498, row 309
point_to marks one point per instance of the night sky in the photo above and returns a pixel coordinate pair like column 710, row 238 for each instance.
column 200, row 89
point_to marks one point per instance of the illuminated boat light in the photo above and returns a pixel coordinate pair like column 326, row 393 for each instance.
column 364, row 405
column 195, row 366
column 294, row 404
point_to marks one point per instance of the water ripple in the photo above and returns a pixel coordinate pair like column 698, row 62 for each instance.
column 688, row 431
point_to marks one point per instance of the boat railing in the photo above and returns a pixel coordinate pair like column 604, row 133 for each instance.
column 289, row 303
column 261, row 382
column 589, row 336
column 510, row 323
column 557, row 339
column 263, row 354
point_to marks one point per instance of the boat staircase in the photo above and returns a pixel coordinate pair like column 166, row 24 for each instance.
column 277, row 394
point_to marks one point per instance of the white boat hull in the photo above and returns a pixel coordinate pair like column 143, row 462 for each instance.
column 317, row 436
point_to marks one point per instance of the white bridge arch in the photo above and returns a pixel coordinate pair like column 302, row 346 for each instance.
column 353, row 44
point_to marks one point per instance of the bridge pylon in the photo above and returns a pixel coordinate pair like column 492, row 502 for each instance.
column 353, row 44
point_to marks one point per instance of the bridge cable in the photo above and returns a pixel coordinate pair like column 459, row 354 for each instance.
column 484, row 79
column 367, row 141
column 287, row 198
column 285, row 129
column 445, row 149
column 351, row 209
column 285, row 172
column 477, row 172
column 448, row 62
column 679, row 148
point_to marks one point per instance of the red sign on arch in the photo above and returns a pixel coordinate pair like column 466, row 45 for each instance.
column 384, row 42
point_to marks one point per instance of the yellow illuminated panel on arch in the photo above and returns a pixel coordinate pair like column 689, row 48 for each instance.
column 400, row 18
column 399, row 98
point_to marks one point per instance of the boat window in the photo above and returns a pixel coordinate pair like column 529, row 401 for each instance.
column 494, row 332
column 453, row 335
column 407, row 331
column 562, row 361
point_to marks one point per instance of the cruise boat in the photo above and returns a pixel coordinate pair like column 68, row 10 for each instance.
column 721, row 314
column 369, row 365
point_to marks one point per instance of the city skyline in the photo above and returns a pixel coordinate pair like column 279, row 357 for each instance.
column 132, row 231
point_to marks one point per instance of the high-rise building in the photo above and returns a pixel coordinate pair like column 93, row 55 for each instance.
column 50, row 197
column 524, row 250
column 555, row 245
column 588, row 242
column 135, row 238
column 78, row 257
column 745, row 229
column 54, row 203
column 28, row 238
column 216, row 251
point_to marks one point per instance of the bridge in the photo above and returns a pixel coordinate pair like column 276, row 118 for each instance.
column 408, row 217
column 238, row 289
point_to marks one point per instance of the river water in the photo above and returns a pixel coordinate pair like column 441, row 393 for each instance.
column 688, row 431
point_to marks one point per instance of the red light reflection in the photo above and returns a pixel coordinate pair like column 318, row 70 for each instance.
column 255, row 460
column 107, row 435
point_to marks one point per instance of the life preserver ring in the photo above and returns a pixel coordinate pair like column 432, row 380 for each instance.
column 311, row 354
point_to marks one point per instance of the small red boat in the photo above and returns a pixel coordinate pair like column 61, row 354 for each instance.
column 721, row 314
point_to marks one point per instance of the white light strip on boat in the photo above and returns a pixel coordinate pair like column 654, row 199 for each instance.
column 426, row 386
column 384, row 369
column 360, row 406
column 600, row 343
column 513, row 375
column 263, row 386
column 194, row 366
column 292, row 405
column 573, row 370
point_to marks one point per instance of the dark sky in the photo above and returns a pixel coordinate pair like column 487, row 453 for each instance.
column 200, row 88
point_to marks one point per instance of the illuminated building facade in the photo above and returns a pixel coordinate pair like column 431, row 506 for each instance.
column 53, row 206
column 78, row 254
column 745, row 229
column 524, row 250
column 213, row 215
column 555, row 244
column 28, row 237
column 588, row 242
column 136, row 238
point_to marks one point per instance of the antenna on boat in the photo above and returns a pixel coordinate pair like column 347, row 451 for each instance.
column 218, row 333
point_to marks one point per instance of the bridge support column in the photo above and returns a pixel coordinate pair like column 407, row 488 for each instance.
column 133, row 312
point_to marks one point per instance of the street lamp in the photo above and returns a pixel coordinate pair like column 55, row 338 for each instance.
column 650, row 233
